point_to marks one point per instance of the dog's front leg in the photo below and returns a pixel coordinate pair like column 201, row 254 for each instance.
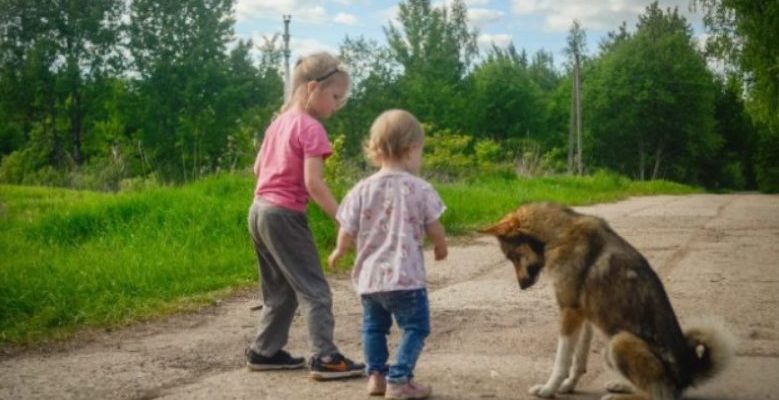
column 566, row 343
column 580, row 355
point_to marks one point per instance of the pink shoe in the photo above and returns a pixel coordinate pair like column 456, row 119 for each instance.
column 377, row 384
column 408, row 390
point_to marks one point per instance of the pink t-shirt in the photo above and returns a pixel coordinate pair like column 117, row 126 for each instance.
column 387, row 213
column 291, row 138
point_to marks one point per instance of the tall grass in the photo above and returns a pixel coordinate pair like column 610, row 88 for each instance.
column 475, row 203
column 72, row 259
column 87, row 259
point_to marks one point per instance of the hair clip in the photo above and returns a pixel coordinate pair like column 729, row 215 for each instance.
column 327, row 75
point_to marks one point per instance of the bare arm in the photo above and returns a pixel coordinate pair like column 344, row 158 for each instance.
column 437, row 234
column 256, row 168
column 313, row 176
column 345, row 241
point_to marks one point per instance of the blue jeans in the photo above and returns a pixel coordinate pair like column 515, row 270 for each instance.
column 412, row 314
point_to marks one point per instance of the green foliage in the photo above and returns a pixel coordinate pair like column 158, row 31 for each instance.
column 744, row 35
column 374, row 90
column 732, row 166
column 112, row 94
column 510, row 103
column 435, row 47
column 472, row 204
column 74, row 259
column 766, row 164
column 650, row 102
column 339, row 171
column 71, row 259
column 448, row 155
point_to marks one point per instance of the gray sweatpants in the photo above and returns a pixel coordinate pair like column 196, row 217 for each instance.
column 290, row 274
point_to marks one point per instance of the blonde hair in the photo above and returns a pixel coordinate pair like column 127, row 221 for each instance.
column 393, row 134
column 322, row 68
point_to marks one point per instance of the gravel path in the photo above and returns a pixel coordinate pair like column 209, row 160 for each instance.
column 717, row 255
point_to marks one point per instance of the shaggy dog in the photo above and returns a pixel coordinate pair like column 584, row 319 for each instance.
column 600, row 279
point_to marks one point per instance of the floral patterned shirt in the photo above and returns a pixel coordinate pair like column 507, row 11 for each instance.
column 387, row 214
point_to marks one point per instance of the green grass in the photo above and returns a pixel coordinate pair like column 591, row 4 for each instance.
column 74, row 259
column 474, row 204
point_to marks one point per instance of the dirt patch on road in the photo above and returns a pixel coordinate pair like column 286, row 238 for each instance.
column 716, row 254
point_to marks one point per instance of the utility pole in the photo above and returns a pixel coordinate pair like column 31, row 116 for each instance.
column 578, row 81
column 575, row 49
column 287, row 76
column 572, row 129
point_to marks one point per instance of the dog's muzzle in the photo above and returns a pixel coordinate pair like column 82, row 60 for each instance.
column 532, row 276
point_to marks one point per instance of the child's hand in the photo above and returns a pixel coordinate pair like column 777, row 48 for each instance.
column 440, row 252
column 333, row 258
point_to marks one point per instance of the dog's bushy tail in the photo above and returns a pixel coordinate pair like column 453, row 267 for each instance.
column 713, row 347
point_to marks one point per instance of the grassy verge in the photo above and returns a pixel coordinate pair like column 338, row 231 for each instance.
column 72, row 259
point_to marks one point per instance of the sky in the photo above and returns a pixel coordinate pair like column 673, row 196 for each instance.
column 529, row 24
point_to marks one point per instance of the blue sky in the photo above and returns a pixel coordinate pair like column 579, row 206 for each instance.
column 529, row 24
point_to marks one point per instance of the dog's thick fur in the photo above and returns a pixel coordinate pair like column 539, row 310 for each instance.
column 600, row 279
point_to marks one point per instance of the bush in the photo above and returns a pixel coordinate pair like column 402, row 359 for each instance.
column 339, row 170
column 448, row 156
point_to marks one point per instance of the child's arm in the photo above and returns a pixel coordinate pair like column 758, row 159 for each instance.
column 313, row 176
column 344, row 242
column 256, row 167
column 436, row 233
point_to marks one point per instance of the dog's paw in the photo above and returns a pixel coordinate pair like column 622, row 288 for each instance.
column 568, row 386
column 542, row 391
column 619, row 387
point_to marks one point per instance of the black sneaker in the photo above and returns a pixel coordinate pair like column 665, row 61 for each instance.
column 280, row 360
column 338, row 367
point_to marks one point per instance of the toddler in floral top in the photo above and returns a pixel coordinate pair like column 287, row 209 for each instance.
column 388, row 215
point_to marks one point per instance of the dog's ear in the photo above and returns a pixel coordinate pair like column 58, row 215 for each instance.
column 506, row 228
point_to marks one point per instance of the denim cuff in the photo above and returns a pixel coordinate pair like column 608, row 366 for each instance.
column 382, row 370
column 398, row 381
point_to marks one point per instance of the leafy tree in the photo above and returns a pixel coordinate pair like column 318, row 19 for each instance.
column 731, row 167
column 745, row 34
column 508, row 104
column 435, row 48
column 51, row 52
column 650, row 102
column 542, row 71
column 374, row 89
column 179, row 53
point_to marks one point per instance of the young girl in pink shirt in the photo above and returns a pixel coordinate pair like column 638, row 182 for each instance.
column 289, row 169
column 388, row 214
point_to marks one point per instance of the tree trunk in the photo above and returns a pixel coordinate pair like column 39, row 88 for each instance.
column 641, row 159
column 75, row 127
column 57, row 156
column 658, row 158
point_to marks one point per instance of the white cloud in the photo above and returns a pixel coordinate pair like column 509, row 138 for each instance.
column 485, row 41
column 298, row 46
column 304, row 10
column 303, row 47
column 477, row 17
column 345, row 19
column 468, row 3
column 484, row 16
column 390, row 15
column 601, row 15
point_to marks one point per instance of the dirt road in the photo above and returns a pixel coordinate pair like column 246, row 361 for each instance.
column 717, row 255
